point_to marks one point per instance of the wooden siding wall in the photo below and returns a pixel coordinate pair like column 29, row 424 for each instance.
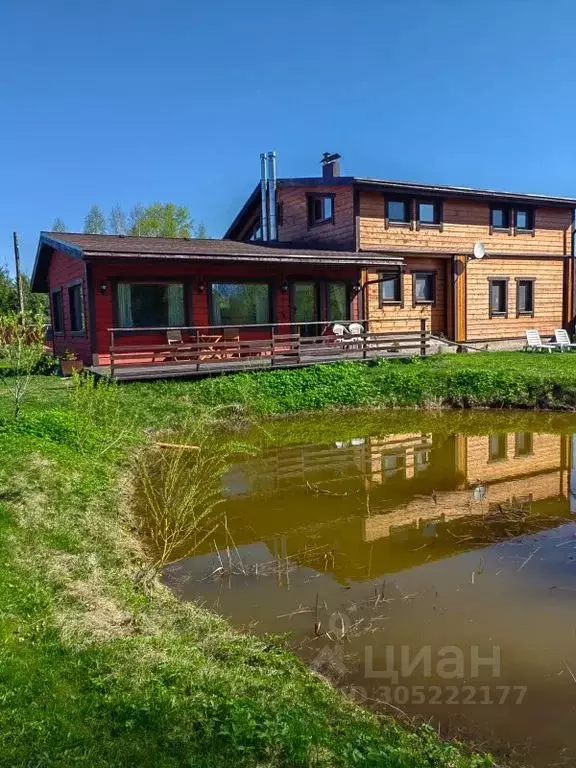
column 548, row 297
column 337, row 234
column 546, row 455
column 409, row 314
column 192, row 275
column 64, row 271
column 464, row 222
column 466, row 289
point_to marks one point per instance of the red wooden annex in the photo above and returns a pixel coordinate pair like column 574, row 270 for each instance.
column 142, row 287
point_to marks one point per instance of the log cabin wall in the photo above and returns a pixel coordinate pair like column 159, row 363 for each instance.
column 464, row 284
column 294, row 228
column 407, row 314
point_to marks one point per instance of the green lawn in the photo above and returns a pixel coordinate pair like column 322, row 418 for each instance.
column 101, row 667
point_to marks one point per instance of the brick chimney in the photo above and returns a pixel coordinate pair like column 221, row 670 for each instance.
column 330, row 165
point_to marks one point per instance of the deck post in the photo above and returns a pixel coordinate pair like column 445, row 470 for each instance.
column 423, row 337
column 273, row 350
column 111, row 354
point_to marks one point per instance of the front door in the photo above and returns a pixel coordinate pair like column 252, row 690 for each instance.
column 304, row 306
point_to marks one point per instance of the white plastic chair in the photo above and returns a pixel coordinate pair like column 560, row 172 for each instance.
column 355, row 338
column 339, row 331
column 534, row 343
column 563, row 340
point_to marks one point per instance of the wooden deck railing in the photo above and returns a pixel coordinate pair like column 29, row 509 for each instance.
column 213, row 348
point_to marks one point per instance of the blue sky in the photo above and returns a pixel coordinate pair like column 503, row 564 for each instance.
column 134, row 100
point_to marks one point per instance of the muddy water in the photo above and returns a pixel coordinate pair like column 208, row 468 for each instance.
column 426, row 565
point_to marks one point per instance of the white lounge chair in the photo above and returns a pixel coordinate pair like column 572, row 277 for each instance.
column 534, row 343
column 563, row 340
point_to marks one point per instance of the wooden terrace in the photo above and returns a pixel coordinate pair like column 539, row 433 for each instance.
column 209, row 350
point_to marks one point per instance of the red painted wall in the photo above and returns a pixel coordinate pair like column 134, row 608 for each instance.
column 63, row 271
column 193, row 274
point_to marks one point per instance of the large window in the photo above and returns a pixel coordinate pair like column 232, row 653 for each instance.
column 391, row 287
column 76, row 304
column 338, row 302
column 57, row 312
column 424, row 287
column 320, row 209
column 240, row 303
column 525, row 297
column 150, row 305
column 498, row 297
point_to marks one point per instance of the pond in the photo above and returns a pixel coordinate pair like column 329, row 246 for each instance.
column 425, row 563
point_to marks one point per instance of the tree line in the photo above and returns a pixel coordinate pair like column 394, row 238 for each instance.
column 36, row 303
column 156, row 220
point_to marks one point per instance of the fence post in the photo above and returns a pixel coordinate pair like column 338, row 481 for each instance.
column 423, row 337
column 273, row 350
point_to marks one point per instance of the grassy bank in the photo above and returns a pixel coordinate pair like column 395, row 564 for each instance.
column 483, row 380
column 102, row 667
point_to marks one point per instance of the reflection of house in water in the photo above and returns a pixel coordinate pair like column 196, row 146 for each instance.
column 375, row 501
column 490, row 471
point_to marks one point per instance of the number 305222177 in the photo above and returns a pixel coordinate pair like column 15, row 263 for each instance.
column 447, row 695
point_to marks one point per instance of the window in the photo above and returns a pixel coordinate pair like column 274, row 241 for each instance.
column 500, row 218
column 421, row 460
column 255, row 231
column 428, row 213
column 424, row 287
column 498, row 297
column 524, row 220
column 320, row 209
column 57, row 312
column 525, row 296
column 393, row 464
column 523, row 444
column 338, row 302
column 497, row 447
column 240, row 303
column 391, row 287
column 398, row 211
column 76, row 305
column 150, row 305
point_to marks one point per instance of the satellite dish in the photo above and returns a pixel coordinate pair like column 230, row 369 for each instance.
column 479, row 250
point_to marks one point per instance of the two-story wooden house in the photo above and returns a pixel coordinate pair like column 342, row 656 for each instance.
column 524, row 281
column 307, row 255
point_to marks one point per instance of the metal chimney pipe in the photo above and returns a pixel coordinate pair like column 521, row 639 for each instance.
column 264, row 195
column 272, row 195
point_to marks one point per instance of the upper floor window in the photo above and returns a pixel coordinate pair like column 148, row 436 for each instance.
column 255, row 231
column 428, row 212
column 398, row 211
column 76, row 305
column 320, row 209
column 524, row 219
column 500, row 217
column 57, row 312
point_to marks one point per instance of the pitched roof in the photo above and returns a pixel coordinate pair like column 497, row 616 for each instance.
column 96, row 247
